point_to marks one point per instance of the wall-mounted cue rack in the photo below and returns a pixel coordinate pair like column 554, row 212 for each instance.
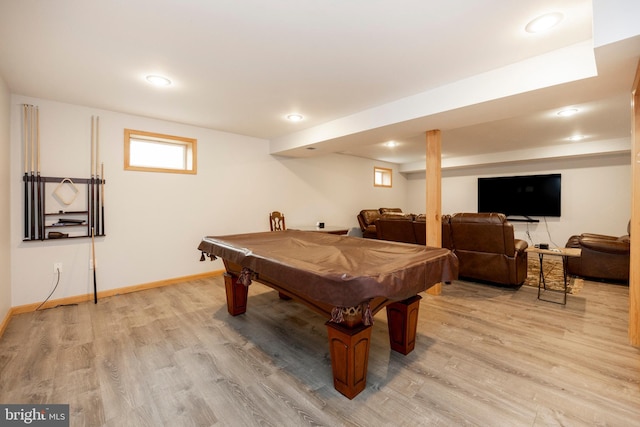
column 44, row 218
column 60, row 208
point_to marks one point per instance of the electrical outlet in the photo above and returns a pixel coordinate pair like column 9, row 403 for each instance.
column 57, row 267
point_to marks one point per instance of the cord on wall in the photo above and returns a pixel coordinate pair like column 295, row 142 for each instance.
column 529, row 235
column 54, row 289
column 549, row 233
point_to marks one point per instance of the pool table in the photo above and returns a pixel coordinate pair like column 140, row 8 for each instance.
column 345, row 279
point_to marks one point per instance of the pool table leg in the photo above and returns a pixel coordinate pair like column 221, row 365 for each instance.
column 349, row 349
column 403, row 324
column 236, row 295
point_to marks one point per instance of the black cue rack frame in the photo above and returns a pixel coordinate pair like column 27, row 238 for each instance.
column 45, row 216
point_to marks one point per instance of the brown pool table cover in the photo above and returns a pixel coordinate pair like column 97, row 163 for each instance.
column 338, row 270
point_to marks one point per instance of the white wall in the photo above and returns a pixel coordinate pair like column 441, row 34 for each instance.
column 334, row 189
column 596, row 196
column 5, row 224
column 154, row 221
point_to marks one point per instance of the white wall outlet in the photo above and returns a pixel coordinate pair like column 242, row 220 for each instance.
column 57, row 267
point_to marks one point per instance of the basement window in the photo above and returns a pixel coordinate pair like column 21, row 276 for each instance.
column 154, row 152
column 382, row 177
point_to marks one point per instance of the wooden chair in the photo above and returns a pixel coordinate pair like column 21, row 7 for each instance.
column 276, row 221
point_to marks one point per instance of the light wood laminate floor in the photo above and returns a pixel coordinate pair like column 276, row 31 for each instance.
column 172, row 356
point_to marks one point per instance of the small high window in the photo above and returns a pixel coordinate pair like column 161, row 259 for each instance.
column 382, row 177
column 154, row 152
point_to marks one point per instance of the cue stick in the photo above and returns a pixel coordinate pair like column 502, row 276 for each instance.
column 97, row 175
column 88, row 211
column 25, row 143
column 102, row 197
column 42, row 185
column 93, row 257
column 33, row 181
column 38, row 181
column 91, row 196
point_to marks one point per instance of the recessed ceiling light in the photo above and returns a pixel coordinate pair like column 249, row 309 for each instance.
column 544, row 22
column 568, row 112
column 157, row 80
column 576, row 138
column 294, row 117
column 391, row 144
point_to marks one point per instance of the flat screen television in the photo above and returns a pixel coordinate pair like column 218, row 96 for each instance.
column 531, row 195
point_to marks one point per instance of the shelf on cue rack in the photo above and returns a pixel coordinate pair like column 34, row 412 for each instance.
column 66, row 213
column 55, row 239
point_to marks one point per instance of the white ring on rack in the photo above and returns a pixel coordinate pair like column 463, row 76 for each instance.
column 61, row 197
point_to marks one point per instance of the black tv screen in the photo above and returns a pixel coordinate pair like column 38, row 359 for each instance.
column 531, row 195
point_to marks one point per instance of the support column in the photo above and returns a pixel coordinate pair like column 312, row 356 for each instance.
column 236, row 295
column 634, row 272
column 434, row 195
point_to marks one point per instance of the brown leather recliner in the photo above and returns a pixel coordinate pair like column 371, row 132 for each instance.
column 367, row 220
column 420, row 229
column 390, row 211
column 396, row 228
column 603, row 257
column 486, row 248
column 446, row 232
column 409, row 228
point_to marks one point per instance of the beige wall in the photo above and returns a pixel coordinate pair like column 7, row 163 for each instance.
column 596, row 195
column 155, row 221
column 5, row 225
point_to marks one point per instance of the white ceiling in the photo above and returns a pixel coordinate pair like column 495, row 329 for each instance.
column 242, row 65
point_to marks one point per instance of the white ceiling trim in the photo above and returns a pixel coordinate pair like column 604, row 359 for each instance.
column 575, row 149
column 564, row 65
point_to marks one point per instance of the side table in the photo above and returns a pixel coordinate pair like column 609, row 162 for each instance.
column 327, row 229
column 565, row 253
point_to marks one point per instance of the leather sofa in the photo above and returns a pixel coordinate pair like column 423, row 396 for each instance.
column 397, row 228
column 483, row 242
column 367, row 220
column 603, row 257
column 486, row 248
column 407, row 228
column 420, row 230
